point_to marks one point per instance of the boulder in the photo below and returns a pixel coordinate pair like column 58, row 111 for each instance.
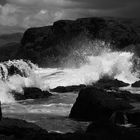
column 31, row 93
column 20, row 130
column 95, row 104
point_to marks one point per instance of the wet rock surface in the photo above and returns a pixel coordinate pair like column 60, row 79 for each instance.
column 113, row 132
column 31, row 93
column 62, row 89
column 13, row 129
column 18, row 129
column 96, row 104
column 108, row 83
column 136, row 84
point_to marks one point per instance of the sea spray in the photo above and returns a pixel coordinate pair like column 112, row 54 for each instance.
column 14, row 75
column 97, row 62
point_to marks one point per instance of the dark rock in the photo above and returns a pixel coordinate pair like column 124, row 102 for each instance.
column 119, row 118
column 130, row 117
column 113, row 132
column 0, row 112
column 48, row 45
column 21, row 130
column 124, row 95
column 71, row 136
column 62, row 89
column 136, row 84
column 13, row 70
column 109, row 83
column 94, row 104
column 14, row 129
column 31, row 93
column 133, row 117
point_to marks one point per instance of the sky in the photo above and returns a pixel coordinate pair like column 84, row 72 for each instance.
column 22, row 14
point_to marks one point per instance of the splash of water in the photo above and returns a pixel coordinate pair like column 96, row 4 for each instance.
column 117, row 65
column 14, row 75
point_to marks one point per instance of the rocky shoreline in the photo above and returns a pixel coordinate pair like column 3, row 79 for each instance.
column 112, row 115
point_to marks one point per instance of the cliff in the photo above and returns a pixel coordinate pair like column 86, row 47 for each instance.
column 48, row 45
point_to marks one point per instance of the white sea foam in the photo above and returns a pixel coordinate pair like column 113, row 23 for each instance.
column 14, row 75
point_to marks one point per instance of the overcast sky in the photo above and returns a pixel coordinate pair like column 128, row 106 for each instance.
column 29, row 13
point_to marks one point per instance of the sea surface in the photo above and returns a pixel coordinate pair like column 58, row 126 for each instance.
column 50, row 114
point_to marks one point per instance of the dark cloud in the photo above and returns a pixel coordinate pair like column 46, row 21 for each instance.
column 2, row 2
column 105, row 4
column 28, row 13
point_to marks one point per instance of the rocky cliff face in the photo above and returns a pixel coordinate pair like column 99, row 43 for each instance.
column 50, row 44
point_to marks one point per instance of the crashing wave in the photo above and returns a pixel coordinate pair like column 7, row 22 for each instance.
column 16, row 67
column 16, row 74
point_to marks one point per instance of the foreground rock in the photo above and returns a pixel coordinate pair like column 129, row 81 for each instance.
column 95, row 104
column 31, row 93
column 62, row 89
column 15, row 129
column 136, row 84
column 113, row 132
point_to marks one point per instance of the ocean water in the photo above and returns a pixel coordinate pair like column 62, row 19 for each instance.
column 52, row 113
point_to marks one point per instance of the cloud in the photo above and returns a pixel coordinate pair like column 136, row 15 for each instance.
column 43, row 17
column 8, row 15
column 45, row 3
column 30, row 13
column 105, row 4
column 3, row 2
column 12, row 14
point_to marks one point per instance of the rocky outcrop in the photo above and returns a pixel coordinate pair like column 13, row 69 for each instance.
column 95, row 104
column 62, row 89
column 136, row 84
column 48, row 45
column 31, row 93
column 104, row 83
column 109, row 83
